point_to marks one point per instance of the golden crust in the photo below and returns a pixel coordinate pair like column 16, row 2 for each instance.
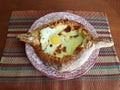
column 52, row 60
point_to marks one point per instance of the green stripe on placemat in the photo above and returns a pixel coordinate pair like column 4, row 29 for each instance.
column 32, row 68
column 16, row 67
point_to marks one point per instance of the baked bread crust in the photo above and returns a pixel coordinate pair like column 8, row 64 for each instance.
column 52, row 60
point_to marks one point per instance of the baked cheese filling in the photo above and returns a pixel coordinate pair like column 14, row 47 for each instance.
column 60, row 40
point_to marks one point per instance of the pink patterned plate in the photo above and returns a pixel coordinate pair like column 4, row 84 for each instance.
column 49, row 71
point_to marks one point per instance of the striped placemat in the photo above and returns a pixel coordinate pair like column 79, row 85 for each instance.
column 15, row 66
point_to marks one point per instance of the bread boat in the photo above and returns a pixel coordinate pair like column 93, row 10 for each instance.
column 64, row 44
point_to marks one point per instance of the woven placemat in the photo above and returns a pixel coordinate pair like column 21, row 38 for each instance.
column 15, row 65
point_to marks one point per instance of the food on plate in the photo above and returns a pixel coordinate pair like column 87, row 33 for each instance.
column 64, row 44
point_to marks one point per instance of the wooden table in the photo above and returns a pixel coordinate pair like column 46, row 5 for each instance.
column 112, row 9
column 109, row 6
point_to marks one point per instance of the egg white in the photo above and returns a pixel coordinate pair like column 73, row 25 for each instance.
column 46, row 33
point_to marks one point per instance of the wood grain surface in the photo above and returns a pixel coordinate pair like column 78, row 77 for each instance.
column 110, row 7
column 64, row 85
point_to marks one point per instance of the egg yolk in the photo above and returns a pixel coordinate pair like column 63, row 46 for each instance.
column 55, row 39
